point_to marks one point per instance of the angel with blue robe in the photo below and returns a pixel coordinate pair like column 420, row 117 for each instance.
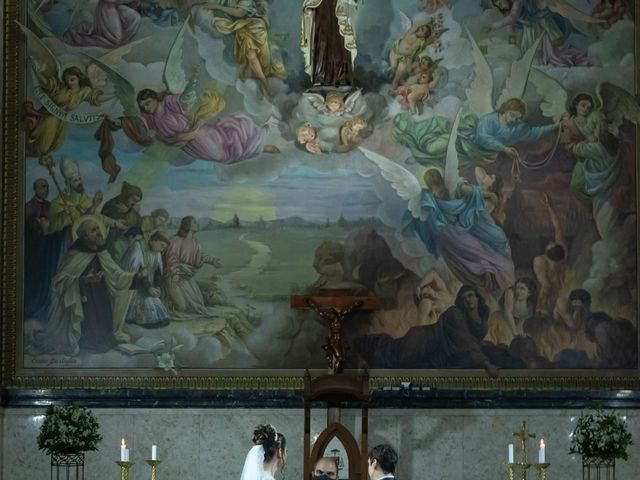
column 554, row 20
column 453, row 219
column 485, row 131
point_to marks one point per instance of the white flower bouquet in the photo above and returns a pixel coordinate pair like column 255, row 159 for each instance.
column 69, row 429
column 600, row 434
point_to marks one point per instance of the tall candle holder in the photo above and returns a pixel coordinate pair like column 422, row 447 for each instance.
column 518, row 470
column 124, row 469
column 541, row 469
column 154, row 465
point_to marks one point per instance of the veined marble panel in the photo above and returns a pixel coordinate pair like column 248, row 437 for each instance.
column 199, row 443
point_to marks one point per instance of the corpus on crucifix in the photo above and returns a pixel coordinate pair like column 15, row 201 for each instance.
column 334, row 306
column 328, row 41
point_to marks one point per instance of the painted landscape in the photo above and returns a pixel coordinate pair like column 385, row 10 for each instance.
column 189, row 166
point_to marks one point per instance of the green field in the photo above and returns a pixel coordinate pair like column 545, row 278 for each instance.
column 286, row 269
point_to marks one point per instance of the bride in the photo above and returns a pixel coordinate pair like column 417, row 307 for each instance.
column 267, row 456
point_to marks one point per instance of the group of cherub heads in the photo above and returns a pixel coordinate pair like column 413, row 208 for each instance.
column 351, row 133
column 340, row 110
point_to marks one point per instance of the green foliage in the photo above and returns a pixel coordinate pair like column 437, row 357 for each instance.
column 600, row 434
column 69, row 429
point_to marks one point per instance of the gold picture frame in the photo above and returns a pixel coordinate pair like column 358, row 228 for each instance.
column 15, row 375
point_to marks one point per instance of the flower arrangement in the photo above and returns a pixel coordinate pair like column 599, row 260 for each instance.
column 600, row 434
column 69, row 429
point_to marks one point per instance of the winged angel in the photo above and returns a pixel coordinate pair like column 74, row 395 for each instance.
column 453, row 218
column 486, row 131
column 61, row 91
column 178, row 117
column 335, row 103
column 602, row 177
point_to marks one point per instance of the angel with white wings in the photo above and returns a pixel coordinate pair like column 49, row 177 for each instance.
column 335, row 103
column 606, row 164
column 453, row 219
column 554, row 20
column 407, row 50
column 178, row 118
column 60, row 91
column 487, row 130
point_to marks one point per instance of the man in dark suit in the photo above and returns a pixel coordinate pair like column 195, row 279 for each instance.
column 382, row 462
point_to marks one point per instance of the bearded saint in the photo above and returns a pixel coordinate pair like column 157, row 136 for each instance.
column 92, row 295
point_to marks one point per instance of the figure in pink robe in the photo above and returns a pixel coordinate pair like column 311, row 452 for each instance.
column 113, row 25
column 228, row 139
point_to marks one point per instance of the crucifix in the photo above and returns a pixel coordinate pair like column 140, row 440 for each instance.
column 334, row 306
column 524, row 435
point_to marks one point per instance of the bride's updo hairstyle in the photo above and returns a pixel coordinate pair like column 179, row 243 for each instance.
column 270, row 439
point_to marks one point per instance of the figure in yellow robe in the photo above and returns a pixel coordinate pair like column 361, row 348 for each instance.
column 247, row 20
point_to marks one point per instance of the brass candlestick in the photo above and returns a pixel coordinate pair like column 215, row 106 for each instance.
column 518, row 467
column 542, row 470
column 154, row 465
column 124, row 469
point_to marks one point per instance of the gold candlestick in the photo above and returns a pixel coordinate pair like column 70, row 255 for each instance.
column 154, row 466
column 124, row 469
column 542, row 470
column 519, row 467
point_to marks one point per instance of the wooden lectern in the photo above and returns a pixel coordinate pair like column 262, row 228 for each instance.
column 336, row 388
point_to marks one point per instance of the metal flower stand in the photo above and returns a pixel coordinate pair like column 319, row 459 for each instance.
column 598, row 468
column 67, row 466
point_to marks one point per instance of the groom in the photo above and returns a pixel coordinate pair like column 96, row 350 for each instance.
column 382, row 462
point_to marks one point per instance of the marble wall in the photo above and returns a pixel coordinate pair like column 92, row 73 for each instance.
column 201, row 444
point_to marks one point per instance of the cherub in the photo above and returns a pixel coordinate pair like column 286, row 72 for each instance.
column 352, row 132
column 406, row 50
column 417, row 92
column 334, row 103
column 307, row 136
column 425, row 64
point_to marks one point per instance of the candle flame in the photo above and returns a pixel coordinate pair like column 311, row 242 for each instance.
column 122, row 444
column 541, row 443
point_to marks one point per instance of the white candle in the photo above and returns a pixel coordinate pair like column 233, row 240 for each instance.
column 126, row 454
column 123, row 448
column 511, row 453
column 154, row 452
column 541, row 452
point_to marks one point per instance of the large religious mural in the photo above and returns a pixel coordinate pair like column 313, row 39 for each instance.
column 190, row 165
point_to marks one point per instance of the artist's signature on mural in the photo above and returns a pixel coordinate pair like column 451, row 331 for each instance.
column 56, row 361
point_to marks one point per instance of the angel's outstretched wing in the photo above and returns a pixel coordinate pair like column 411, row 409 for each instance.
column 617, row 105
column 554, row 96
column 405, row 22
column 37, row 19
column 96, row 76
column 480, row 93
column 46, row 62
column 174, row 77
column 451, row 173
column 122, row 88
column 316, row 100
column 402, row 181
column 517, row 81
column 351, row 100
column 570, row 12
